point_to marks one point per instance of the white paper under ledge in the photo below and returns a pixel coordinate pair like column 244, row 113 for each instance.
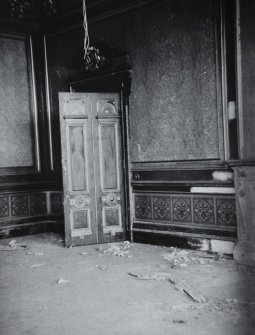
column 214, row 190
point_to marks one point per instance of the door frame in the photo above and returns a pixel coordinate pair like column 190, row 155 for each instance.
column 114, row 82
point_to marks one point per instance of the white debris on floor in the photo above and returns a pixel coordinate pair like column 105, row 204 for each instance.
column 115, row 249
column 182, row 258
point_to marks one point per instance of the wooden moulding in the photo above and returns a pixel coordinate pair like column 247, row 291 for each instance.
column 30, row 212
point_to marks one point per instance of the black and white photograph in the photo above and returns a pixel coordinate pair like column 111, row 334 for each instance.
column 127, row 167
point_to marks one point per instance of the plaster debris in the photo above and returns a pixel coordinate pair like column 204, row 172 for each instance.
column 180, row 285
column 12, row 243
column 226, row 306
column 63, row 281
column 84, row 253
column 13, row 246
column 35, row 253
column 182, row 258
column 10, row 246
column 119, row 250
column 176, row 258
column 181, row 322
column 155, row 276
column 37, row 265
column 101, row 267
column 184, row 287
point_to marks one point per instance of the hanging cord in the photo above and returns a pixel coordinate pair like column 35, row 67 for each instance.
column 85, row 26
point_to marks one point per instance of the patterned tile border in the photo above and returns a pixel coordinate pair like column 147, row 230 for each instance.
column 143, row 207
column 56, row 202
column 217, row 210
column 4, row 207
column 38, row 203
column 15, row 205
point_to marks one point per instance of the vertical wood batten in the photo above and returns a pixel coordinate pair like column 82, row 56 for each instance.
column 48, row 102
column 35, row 107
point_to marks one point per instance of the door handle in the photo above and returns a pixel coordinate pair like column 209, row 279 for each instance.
column 111, row 199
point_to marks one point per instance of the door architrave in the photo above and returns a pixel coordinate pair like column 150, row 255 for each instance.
column 114, row 82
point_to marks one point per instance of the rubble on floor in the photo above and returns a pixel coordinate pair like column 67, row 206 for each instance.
column 228, row 306
column 180, row 285
column 182, row 258
column 12, row 245
column 149, row 293
column 119, row 249
column 62, row 281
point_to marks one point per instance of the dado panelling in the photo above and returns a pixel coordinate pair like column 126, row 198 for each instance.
column 214, row 210
column 19, row 205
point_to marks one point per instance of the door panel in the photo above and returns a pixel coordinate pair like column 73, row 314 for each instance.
column 78, row 174
column 76, row 133
column 108, row 154
column 92, row 167
column 80, row 223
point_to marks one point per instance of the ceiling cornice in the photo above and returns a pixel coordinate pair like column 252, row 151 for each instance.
column 96, row 12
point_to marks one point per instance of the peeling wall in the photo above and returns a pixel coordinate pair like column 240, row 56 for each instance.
column 16, row 142
column 173, row 104
column 248, row 77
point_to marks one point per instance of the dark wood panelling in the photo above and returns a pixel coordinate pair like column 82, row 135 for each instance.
column 184, row 231
column 30, row 212
column 19, row 205
column 225, row 211
column 25, row 186
column 38, row 203
column 56, row 202
column 26, row 204
column 186, row 213
column 180, row 175
column 193, row 241
column 203, row 210
column 41, row 225
column 4, row 207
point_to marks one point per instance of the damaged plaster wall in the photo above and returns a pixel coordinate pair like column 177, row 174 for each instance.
column 247, row 11
column 173, row 104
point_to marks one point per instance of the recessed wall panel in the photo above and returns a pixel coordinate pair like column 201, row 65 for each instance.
column 16, row 126
column 108, row 156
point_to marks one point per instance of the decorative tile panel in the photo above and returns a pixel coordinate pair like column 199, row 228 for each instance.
column 182, row 209
column 226, row 212
column 203, row 210
column 161, row 208
column 56, row 202
column 38, row 203
column 4, row 206
column 143, row 208
column 19, row 205
column 173, row 208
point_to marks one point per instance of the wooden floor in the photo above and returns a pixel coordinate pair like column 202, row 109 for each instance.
column 47, row 289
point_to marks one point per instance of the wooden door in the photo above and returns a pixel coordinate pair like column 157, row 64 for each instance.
column 92, row 167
